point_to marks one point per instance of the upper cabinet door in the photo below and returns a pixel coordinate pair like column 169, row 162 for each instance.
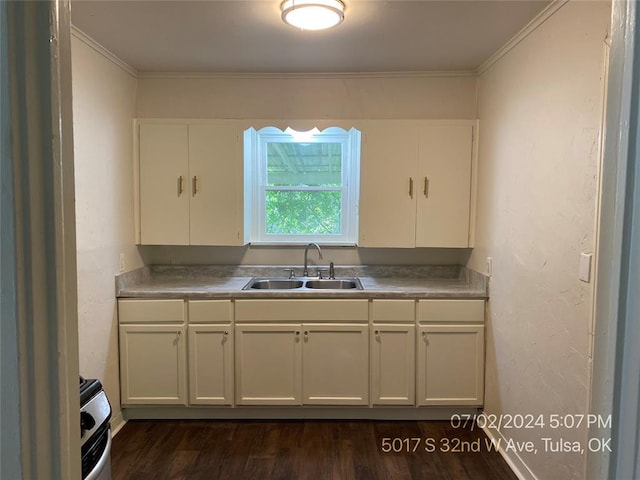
column 444, row 185
column 164, row 195
column 215, row 184
column 388, row 184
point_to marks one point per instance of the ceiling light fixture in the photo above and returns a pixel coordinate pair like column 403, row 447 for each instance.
column 312, row 14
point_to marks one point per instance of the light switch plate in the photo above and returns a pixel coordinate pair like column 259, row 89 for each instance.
column 585, row 267
column 122, row 265
column 489, row 266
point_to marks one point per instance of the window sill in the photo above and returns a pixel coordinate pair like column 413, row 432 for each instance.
column 302, row 244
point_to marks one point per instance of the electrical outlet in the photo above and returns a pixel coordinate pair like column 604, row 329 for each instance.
column 489, row 266
column 122, row 262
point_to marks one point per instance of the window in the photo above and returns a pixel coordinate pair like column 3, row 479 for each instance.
column 302, row 186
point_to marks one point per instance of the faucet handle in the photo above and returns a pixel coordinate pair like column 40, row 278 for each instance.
column 332, row 271
column 292, row 272
column 320, row 272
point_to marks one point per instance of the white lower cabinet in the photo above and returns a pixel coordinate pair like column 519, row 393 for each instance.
column 393, row 347
column 210, row 352
column 335, row 361
column 450, row 352
column 211, row 364
column 152, row 352
column 268, row 364
column 393, row 364
column 302, row 364
column 320, row 359
column 302, row 352
column 152, row 364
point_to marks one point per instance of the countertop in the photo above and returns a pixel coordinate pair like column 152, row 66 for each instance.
column 411, row 282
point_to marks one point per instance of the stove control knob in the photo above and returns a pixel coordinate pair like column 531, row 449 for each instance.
column 86, row 422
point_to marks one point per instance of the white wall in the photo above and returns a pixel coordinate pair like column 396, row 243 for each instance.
column 291, row 97
column 294, row 256
column 103, row 109
column 540, row 111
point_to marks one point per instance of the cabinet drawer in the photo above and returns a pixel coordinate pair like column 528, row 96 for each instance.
column 210, row 311
column 393, row 310
column 302, row 310
column 451, row 310
column 151, row 311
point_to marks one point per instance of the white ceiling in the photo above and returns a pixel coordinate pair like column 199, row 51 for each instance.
column 248, row 36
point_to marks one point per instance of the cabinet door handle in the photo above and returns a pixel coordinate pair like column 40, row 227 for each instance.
column 411, row 187
column 377, row 334
column 297, row 336
column 426, row 187
column 180, row 185
column 195, row 185
column 306, row 336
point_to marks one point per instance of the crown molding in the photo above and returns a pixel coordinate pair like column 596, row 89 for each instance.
column 531, row 27
column 323, row 75
column 87, row 40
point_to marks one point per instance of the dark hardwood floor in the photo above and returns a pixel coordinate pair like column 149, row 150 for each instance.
column 318, row 450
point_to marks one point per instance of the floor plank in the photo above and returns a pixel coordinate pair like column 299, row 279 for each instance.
column 284, row 450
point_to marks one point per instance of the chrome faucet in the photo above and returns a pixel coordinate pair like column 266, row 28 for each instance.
column 305, row 272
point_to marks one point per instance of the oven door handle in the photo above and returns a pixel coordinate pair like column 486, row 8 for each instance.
column 102, row 463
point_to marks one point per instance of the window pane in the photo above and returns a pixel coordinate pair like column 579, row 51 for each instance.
column 310, row 164
column 295, row 212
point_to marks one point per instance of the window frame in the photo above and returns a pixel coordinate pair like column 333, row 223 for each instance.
column 256, row 188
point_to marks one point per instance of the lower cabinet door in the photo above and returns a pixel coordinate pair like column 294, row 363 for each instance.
column 336, row 364
column 393, row 371
column 268, row 364
column 153, row 364
column 451, row 365
column 211, row 364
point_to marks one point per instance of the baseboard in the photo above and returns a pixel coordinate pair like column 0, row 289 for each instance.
column 117, row 423
column 300, row 413
column 514, row 461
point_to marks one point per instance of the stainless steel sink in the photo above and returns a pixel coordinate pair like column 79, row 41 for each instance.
column 334, row 284
column 273, row 284
column 304, row 283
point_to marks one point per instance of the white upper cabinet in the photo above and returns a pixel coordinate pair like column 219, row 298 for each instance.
column 416, row 183
column 444, row 190
column 164, row 169
column 190, row 183
column 387, row 199
column 215, row 172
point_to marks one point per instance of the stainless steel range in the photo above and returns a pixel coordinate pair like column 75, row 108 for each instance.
column 95, row 431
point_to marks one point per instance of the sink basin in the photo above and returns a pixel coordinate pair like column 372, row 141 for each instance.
column 335, row 284
column 273, row 284
column 295, row 283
